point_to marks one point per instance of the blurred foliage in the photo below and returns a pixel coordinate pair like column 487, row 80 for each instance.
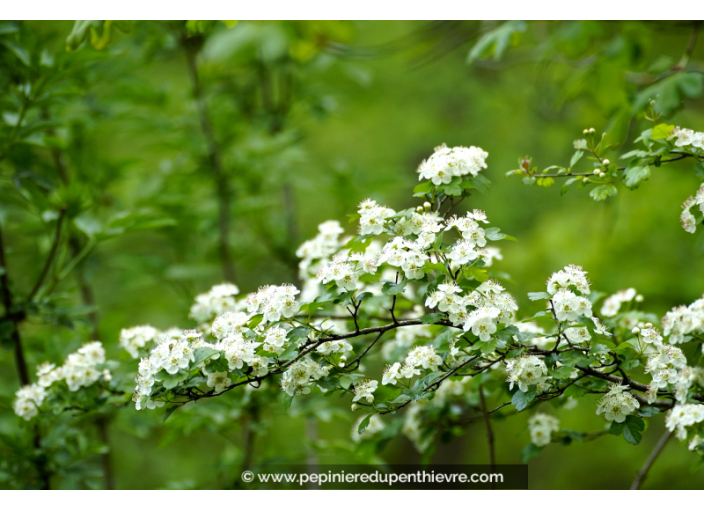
column 217, row 147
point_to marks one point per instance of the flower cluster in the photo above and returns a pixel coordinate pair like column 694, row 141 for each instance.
column 683, row 416
column 274, row 302
column 689, row 220
column 373, row 217
column 422, row 356
column 612, row 304
column 617, row 404
column 683, row 321
column 664, row 365
column 469, row 228
column 568, row 289
column 446, row 163
column 80, row 369
column 686, row 137
column 345, row 270
column 527, row 371
column 134, row 340
column 322, row 246
column 406, row 254
column 298, row 378
column 541, row 428
column 218, row 300
column 490, row 303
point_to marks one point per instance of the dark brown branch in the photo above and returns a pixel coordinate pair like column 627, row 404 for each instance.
column 50, row 257
column 489, row 433
column 214, row 155
column 640, row 478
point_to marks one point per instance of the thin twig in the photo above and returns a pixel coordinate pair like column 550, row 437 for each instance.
column 640, row 478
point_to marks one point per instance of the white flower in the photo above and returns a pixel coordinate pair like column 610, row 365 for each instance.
column 577, row 335
column 365, row 390
column 617, row 404
column 446, row 163
column 134, row 339
column 482, row 322
column 218, row 300
column 219, row 381
column 612, row 304
column 683, row 416
column 541, row 428
column 526, row 371
column 391, row 373
column 569, row 276
column 569, row 307
column 373, row 217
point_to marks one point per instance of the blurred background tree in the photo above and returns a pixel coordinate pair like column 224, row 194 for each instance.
column 220, row 146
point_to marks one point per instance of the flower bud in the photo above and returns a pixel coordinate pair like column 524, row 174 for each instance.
column 585, row 180
column 606, row 162
column 596, row 171
column 427, row 206
column 343, row 358
column 355, row 407
column 585, row 132
column 635, row 330
column 419, row 208
column 648, row 325
column 592, row 130
column 602, row 174
column 639, row 298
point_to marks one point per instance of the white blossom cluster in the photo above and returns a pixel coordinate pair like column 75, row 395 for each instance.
column 664, row 366
column 80, row 369
column 274, row 302
column 405, row 254
column 683, row 416
column 683, row 321
column 298, row 377
column 420, row 357
column 218, row 300
column 446, row 163
column 541, row 427
column 686, row 137
column 373, row 217
column 612, row 304
column 527, row 371
column 688, row 220
column 570, row 304
column 617, row 404
column 136, row 339
column 490, row 303
column 322, row 246
column 345, row 270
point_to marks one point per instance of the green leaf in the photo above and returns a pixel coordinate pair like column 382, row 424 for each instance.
column 424, row 188
column 603, row 192
column 359, row 243
column 168, row 412
column 519, row 400
column 203, row 353
column 631, row 429
column 364, row 423
column 391, row 288
column 17, row 50
column 531, row 451
column 536, row 296
column 287, row 401
column 480, row 183
column 494, row 43
column 647, row 412
column 661, row 132
column 575, row 158
column 432, row 318
column 634, row 176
